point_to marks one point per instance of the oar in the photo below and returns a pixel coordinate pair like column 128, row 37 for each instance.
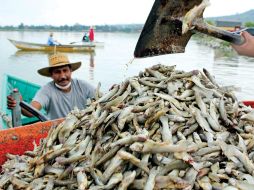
column 75, row 42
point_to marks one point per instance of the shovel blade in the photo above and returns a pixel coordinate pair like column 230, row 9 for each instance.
column 162, row 32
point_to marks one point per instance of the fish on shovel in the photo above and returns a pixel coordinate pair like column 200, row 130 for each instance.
column 170, row 25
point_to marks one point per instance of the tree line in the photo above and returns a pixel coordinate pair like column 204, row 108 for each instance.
column 246, row 24
column 98, row 28
column 76, row 27
column 249, row 24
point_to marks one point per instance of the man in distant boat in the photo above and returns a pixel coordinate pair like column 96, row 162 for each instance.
column 91, row 34
column 61, row 95
column 51, row 41
column 246, row 49
column 85, row 38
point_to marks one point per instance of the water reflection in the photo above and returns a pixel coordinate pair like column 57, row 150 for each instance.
column 91, row 66
column 249, row 59
column 229, row 55
column 227, row 58
column 21, row 53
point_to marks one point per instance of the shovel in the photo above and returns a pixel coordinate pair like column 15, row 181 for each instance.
column 170, row 25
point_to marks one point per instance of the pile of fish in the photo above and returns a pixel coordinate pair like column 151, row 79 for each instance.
column 162, row 129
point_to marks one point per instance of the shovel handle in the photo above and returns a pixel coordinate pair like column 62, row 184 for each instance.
column 33, row 111
column 16, row 112
column 216, row 32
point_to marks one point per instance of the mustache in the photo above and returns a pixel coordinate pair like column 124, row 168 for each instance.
column 63, row 79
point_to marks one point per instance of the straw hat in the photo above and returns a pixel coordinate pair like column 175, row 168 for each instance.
column 58, row 60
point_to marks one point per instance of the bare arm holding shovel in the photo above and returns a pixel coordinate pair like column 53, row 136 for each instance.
column 247, row 48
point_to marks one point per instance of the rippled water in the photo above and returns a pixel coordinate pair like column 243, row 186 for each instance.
column 113, row 63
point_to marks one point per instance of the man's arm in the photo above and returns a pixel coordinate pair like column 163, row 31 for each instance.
column 35, row 105
column 247, row 48
column 11, row 103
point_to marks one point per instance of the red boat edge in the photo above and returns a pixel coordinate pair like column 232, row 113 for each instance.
column 20, row 139
column 249, row 103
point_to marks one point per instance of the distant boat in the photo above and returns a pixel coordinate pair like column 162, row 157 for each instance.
column 95, row 43
column 28, row 46
column 28, row 91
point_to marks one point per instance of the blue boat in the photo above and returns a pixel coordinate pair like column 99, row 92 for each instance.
column 26, row 89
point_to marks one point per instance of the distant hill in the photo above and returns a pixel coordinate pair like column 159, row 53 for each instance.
column 242, row 17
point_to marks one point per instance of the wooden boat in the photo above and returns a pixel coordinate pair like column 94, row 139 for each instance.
column 97, row 44
column 26, row 89
column 28, row 46
column 94, row 43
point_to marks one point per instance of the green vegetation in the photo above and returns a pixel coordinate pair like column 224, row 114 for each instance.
column 212, row 42
column 76, row 27
column 210, row 22
column 249, row 24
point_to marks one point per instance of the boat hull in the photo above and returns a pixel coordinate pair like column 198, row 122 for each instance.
column 20, row 139
column 95, row 43
column 27, row 46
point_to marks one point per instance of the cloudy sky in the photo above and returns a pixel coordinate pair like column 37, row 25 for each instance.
column 97, row 12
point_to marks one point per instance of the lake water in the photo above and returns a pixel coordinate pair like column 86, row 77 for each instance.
column 111, row 64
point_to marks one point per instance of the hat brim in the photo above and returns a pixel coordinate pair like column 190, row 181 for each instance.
column 45, row 71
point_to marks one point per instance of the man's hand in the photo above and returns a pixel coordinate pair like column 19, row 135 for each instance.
column 247, row 48
column 11, row 102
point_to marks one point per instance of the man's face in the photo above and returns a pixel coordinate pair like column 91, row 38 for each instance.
column 61, row 75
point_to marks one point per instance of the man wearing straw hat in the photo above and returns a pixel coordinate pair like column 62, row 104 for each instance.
column 61, row 95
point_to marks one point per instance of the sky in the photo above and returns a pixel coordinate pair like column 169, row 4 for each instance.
column 97, row 12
